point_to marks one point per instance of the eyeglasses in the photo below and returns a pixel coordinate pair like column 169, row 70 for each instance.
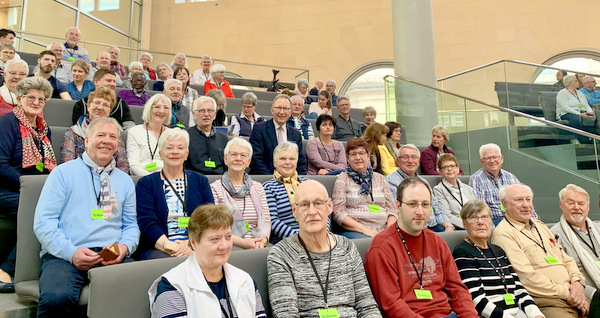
column 491, row 158
column 21, row 74
column 279, row 109
column 406, row 158
column 205, row 111
column 357, row 154
column 242, row 155
column 305, row 206
column 448, row 167
column 98, row 103
column 415, row 205
column 32, row 99
column 247, row 106
column 475, row 218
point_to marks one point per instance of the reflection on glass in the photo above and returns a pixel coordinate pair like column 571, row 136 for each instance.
column 368, row 90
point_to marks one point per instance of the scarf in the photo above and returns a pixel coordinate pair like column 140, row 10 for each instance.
column 587, row 260
column 81, row 127
column 8, row 96
column 31, row 153
column 239, row 225
column 289, row 183
column 108, row 201
column 363, row 179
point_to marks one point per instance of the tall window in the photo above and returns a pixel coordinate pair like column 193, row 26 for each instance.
column 365, row 87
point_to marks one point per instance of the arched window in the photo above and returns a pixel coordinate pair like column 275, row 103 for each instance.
column 576, row 60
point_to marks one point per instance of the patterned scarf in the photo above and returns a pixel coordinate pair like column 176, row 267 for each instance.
column 239, row 225
column 81, row 126
column 290, row 183
column 31, row 154
column 363, row 179
column 108, row 201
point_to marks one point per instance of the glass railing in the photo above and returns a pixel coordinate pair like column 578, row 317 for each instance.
column 260, row 74
column 543, row 154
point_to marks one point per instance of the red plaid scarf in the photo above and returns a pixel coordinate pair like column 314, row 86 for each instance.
column 31, row 155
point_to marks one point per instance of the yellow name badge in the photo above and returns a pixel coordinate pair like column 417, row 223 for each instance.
column 40, row 166
column 423, row 294
column 328, row 313
column 180, row 125
column 374, row 208
column 509, row 299
column 151, row 166
column 209, row 164
column 551, row 260
column 97, row 214
column 183, row 221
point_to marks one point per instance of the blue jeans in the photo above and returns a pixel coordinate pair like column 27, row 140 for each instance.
column 153, row 254
column 452, row 316
column 353, row 235
column 336, row 172
column 438, row 228
column 497, row 221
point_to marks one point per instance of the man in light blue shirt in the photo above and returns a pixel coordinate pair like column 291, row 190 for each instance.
column 588, row 89
column 72, row 51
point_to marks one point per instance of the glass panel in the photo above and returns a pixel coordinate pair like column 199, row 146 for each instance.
column 368, row 90
column 71, row 2
column 135, row 22
column 114, row 12
column 97, row 32
column 37, row 21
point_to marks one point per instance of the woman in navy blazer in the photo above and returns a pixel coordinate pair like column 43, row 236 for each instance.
column 166, row 199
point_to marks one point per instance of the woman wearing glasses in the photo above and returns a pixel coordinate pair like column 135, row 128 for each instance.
column 100, row 103
column 486, row 271
column 246, row 199
column 362, row 202
column 15, row 70
column 451, row 193
column 142, row 140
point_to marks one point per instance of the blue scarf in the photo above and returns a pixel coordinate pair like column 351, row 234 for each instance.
column 363, row 179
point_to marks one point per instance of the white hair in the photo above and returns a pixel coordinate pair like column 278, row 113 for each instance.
column 487, row 147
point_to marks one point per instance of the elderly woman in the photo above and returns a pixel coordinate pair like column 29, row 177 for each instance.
column 142, row 140
column 15, row 70
column 164, row 73
column 389, row 150
column 202, row 75
column 218, row 81
column 297, row 120
column 325, row 155
column 375, row 136
column 430, row 155
column 137, row 94
column 201, row 286
column 219, row 97
column 135, row 67
column 189, row 94
column 7, row 53
column 80, row 87
column 164, row 204
column 25, row 149
column 180, row 60
column 280, row 191
column 369, row 114
column 486, row 271
column 451, row 193
column 146, row 59
column 246, row 199
column 296, row 266
column 572, row 106
column 323, row 106
column 243, row 123
column 100, row 103
column 302, row 88
column 362, row 202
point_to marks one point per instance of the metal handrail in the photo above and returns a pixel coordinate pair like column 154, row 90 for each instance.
column 502, row 109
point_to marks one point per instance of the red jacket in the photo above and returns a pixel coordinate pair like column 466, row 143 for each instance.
column 225, row 88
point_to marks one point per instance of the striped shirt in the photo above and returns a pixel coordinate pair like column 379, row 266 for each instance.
column 283, row 223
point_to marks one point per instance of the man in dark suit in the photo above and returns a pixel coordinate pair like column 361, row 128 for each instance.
column 268, row 134
column 315, row 90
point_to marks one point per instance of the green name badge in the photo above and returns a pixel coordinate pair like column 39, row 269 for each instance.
column 40, row 166
column 328, row 313
column 374, row 208
column 183, row 221
column 247, row 225
column 151, row 166
column 180, row 125
column 72, row 59
column 210, row 164
column 97, row 214
column 509, row 299
column 551, row 260
column 501, row 207
column 423, row 294
column 598, row 263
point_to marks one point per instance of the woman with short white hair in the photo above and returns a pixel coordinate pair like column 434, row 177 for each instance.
column 218, row 81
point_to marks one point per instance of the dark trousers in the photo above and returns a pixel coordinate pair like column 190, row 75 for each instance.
column 9, row 202
column 576, row 122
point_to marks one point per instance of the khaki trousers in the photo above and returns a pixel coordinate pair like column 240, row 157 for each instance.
column 556, row 308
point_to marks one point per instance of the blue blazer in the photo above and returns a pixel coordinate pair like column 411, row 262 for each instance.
column 264, row 140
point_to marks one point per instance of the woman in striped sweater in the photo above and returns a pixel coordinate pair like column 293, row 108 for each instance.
column 486, row 271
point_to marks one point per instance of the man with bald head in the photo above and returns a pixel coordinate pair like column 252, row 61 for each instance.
column 318, row 87
column 73, row 51
column 103, row 60
column 589, row 90
column 316, row 273
column 545, row 270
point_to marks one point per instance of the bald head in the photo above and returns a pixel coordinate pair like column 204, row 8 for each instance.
column 310, row 187
column 311, row 208
column 103, row 60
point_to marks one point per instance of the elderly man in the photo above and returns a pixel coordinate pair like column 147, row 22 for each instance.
column 76, row 231
column 61, row 71
column 7, row 53
column 589, row 90
column 121, row 112
column 297, row 122
column 408, row 163
column 487, row 180
column 546, row 271
column 119, row 68
column 578, row 235
column 7, row 36
column 316, row 273
column 206, row 144
column 330, row 87
column 137, row 94
column 268, row 134
column 103, row 61
column 46, row 61
column 346, row 128
column 411, row 269
column 182, row 116
column 315, row 90
column 163, row 74
column 560, row 74
column 73, row 52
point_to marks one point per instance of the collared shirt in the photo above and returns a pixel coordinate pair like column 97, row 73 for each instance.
column 394, row 179
column 346, row 129
column 593, row 97
column 71, row 55
column 452, row 199
column 284, row 132
column 95, row 69
column 118, row 68
column 541, row 278
column 235, row 126
column 61, row 72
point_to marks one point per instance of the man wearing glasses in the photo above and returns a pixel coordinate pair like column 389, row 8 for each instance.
column 410, row 268
column 268, row 134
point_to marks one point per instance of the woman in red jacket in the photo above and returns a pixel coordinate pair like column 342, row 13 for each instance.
column 218, row 81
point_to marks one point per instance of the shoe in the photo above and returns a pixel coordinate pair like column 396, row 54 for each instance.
column 7, row 287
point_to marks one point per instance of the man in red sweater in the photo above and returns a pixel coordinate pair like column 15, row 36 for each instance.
column 410, row 268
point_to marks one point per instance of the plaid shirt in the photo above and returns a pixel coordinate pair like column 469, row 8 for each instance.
column 118, row 68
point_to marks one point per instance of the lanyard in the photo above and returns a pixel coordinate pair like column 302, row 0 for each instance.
column 393, row 150
column 227, row 299
column 592, row 247
column 349, row 123
column 529, row 237
column 324, row 150
column 459, row 193
column 312, row 264
column 412, row 261
column 96, row 194
column 152, row 153
column 176, row 193
column 497, row 270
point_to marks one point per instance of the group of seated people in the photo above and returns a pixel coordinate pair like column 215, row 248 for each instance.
column 576, row 100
